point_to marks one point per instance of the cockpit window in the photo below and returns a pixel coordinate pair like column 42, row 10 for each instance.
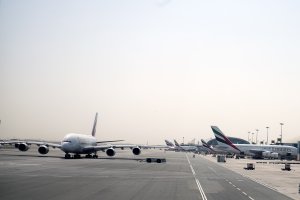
column 69, row 141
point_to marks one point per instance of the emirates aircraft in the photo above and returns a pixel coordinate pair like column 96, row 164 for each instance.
column 256, row 151
column 74, row 145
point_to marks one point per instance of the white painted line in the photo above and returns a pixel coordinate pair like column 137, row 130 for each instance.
column 245, row 193
column 193, row 171
column 233, row 185
column 203, row 196
column 238, row 188
column 250, row 198
column 201, row 190
column 264, row 184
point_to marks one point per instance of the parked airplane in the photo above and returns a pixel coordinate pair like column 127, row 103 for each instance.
column 256, row 151
column 77, row 144
column 185, row 147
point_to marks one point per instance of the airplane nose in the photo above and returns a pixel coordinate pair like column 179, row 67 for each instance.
column 65, row 146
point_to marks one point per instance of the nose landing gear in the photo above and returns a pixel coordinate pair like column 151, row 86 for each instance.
column 67, row 156
column 77, row 156
column 95, row 156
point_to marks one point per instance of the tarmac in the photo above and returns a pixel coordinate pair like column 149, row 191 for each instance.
column 29, row 175
column 268, row 173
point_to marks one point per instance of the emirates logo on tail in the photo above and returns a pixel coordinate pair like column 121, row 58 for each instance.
column 222, row 139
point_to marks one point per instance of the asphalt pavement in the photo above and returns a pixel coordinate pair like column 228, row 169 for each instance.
column 28, row 175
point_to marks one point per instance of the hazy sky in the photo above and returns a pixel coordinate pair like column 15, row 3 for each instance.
column 153, row 69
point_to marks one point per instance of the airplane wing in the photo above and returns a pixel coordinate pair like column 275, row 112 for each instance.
column 107, row 146
column 96, row 148
column 99, row 142
column 136, row 145
column 28, row 142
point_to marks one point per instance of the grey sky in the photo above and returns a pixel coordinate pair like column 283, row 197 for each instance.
column 152, row 69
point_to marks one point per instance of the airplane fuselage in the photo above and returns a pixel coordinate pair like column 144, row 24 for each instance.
column 75, row 143
column 249, row 149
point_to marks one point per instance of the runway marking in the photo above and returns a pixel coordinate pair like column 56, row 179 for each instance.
column 197, row 181
column 192, row 170
column 239, row 189
column 259, row 182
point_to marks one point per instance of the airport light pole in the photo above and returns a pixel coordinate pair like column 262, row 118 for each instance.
column 248, row 136
column 252, row 138
column 256, row 135
column 267, row 134
column 281, row 124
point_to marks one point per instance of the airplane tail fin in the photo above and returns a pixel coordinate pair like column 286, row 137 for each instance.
column 222, row 139
column 205, row 144
column 94, row 126
column 168, row 143
column 176, row 143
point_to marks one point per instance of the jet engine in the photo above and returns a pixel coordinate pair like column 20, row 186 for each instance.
column 266, row 154
column 274, row 155
column 23, row 147
column 43, row 149
column 136, row 151
column 110, row 152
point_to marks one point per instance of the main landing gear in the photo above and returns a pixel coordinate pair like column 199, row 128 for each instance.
column 77, row 156
column 91, row 156
column 95, row 156
column 68, row 156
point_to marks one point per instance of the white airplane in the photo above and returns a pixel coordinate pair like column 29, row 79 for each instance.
column 77, row 144
column 256, row 151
